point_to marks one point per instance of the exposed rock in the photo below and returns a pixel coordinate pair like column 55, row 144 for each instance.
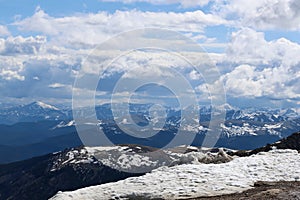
column 265, row 191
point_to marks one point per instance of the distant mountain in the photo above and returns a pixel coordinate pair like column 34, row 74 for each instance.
column 34, row 112
column 242, row 128
column 28, row 139
column 33, row 128
column 10, row 153
column 237, row 121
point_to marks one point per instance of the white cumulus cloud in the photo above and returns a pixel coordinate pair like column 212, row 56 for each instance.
column 262, row 14
column 271, row 82
column 250, row 46
column 95, row 28
column 21, row 45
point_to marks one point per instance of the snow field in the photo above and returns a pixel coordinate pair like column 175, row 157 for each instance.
column 195, row 180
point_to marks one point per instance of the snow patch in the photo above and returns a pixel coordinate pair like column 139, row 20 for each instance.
column 196, row 180
column 62, row 124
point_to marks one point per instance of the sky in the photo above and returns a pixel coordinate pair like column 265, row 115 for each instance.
column 255, row 45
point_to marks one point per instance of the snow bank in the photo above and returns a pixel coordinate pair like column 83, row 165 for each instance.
column 195, row 180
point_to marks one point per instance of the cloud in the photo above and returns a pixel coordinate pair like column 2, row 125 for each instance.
column 21, row 45
column 28, row 66
column 41, row 75
column 91, row 29
column 248, row 82
column 250, row 46
column 194, row 75
column 50, row 83
column 258, row 14
column 4, row 31
column 183, row 3
column 10, row 74
column 46, row 65
column 262, row 14
column 257, row 68
column 56, row 85
column 10, row 68
column 271, row 82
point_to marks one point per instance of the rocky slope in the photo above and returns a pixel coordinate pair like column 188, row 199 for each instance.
column 41, row 177
column 291, row 142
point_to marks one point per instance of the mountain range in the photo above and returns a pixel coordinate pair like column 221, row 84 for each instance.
column 38, row 128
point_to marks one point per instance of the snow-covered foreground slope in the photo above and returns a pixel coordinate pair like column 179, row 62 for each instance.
column 195, row 180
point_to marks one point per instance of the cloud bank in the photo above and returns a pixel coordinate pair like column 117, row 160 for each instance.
column 46, row 63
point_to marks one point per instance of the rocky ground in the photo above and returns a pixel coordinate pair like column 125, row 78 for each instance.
column 265, row 191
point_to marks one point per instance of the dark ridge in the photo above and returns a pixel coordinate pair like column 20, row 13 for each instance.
column 291, row 142
column 33, row 179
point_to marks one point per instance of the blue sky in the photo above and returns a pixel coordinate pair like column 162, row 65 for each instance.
column 255, row 45
column 12, row 10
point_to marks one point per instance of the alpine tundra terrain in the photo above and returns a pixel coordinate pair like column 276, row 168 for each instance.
column 188, row 172
column 196, row 179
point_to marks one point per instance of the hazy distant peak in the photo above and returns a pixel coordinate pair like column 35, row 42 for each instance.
column 44, row 105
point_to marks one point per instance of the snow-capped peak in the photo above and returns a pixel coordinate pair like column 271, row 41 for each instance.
column 44, row 105
column 226, row 107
